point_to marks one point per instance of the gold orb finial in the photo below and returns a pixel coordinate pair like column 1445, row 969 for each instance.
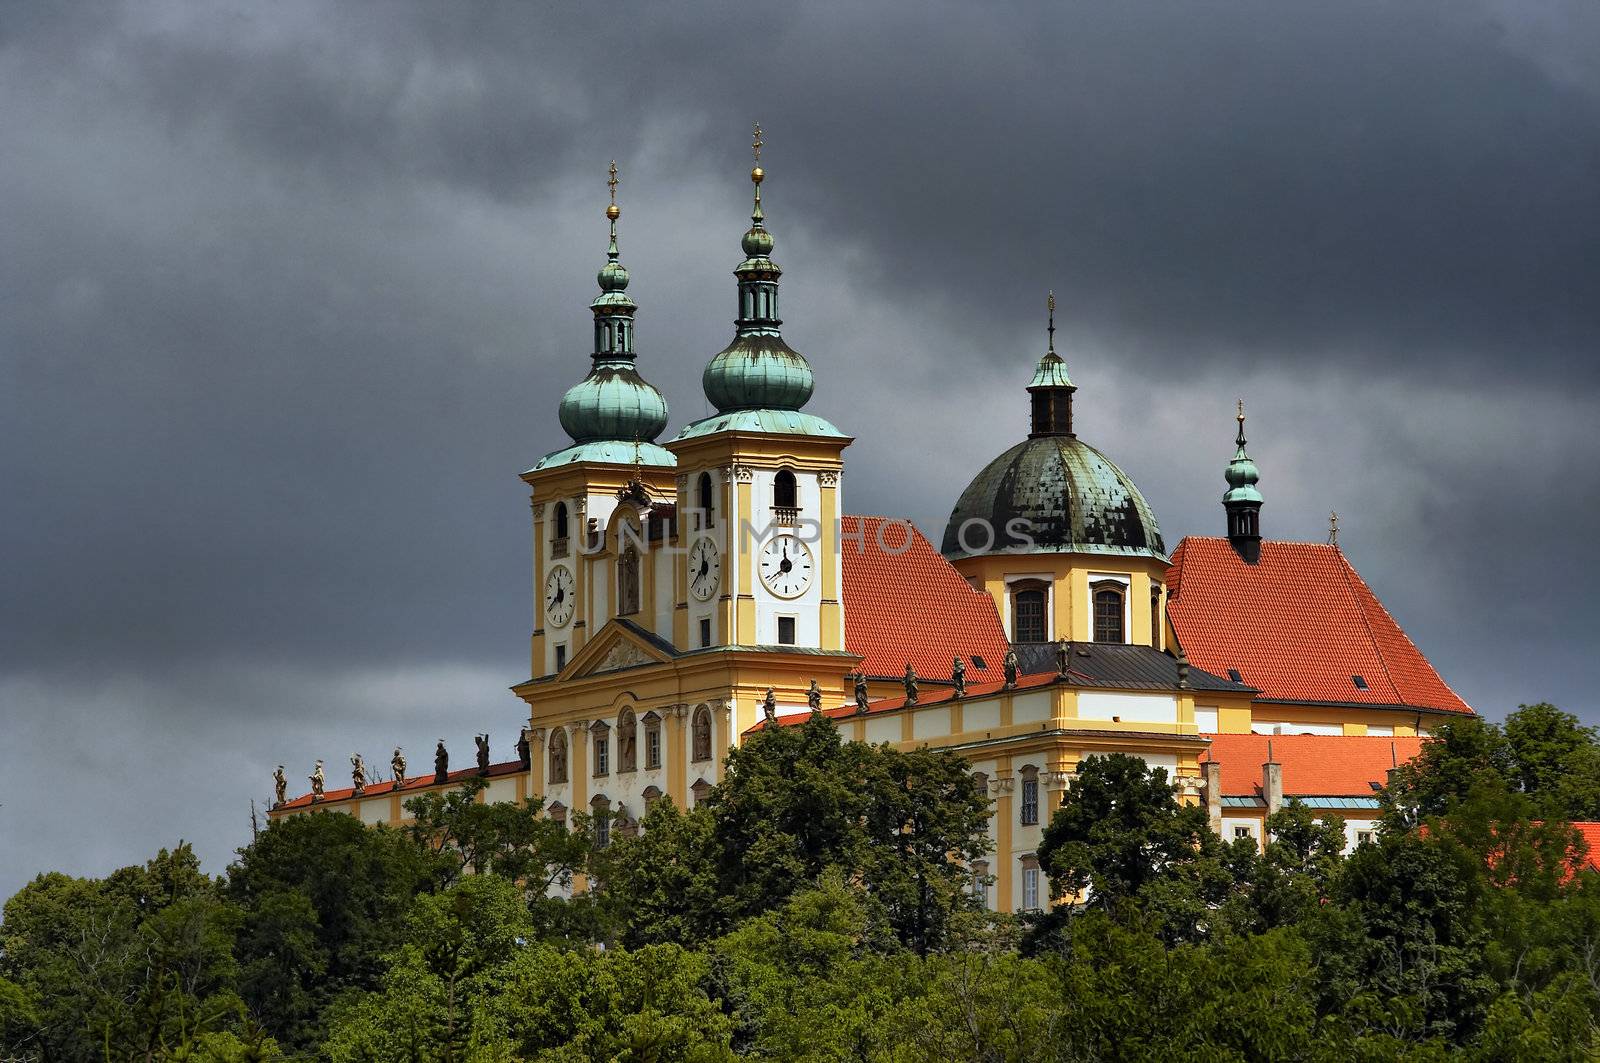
column 1241, row 411
column 613, row 211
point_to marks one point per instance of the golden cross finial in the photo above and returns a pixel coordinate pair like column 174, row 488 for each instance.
column 611, row 181
column 1241, row 411
column 756, row 142
column 1333, row 528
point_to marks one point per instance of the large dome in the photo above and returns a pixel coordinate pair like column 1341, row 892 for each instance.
column 1072, row 498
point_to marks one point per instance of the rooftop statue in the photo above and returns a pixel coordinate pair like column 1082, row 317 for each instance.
column 358, row 774
column 397, row 764
column 316, row 782
column 482, row 742
column 769, row 708
column 441, row 763
column 910, row 682
column 861, row 691
column 1010, row 668
column 814, row 697
column 280, row 787
column 958, row 677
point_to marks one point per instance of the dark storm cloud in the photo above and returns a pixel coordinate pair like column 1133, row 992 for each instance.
column 291, row 292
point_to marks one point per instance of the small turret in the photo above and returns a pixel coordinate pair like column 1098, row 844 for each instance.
column 1051, row 389
column 1242, row 500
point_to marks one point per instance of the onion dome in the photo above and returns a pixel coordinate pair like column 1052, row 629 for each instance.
column 1242, row 500
column 613, row 414
column 758, row 382
column 1052, row 493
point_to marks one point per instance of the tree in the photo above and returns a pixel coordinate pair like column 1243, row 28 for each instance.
column 1556, row 761
column 1288, row 881
column 324, row 899
column 503, row 838
column 1121, row 843
column 661, row 886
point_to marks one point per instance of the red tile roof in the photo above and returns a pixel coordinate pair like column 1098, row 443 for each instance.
column 1313, row 765
column 1591, row 838
column 413, row 783
column 1298, row 625
column 903, row 602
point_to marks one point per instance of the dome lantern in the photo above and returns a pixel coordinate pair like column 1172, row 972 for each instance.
column 1243, row 500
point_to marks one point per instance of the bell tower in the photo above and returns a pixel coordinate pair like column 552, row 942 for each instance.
column 1242, row 500
column 581, row 576
column 759, row 482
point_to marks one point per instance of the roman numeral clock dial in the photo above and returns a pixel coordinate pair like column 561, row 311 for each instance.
column 786, row 566
column 559, row 596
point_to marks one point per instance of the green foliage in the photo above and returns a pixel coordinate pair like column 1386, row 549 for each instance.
column 815, row 908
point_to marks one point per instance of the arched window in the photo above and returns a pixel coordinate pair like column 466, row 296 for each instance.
column 652, row 741
column 784, row 493
column 628, row 582
column 706, row 501
column 1028, row 612
column 600, row 735
column 627, row 745
column 558, row 755
column 702, row 734
column 1028, row 807
column 1108, row 625
column 561, row 520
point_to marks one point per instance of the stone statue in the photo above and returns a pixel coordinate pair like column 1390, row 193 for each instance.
column 958, row 677
column 397, row 764
column 1010, row 668
column 358, row 774
column 861, row 692
column 558, row 755
column 441, row 763
column 482, row 742
column 1063, row 657
column 316, row 782
column 280, row 786
column 628, row 743
column 769, row 708
column 910, row 682
column 814, row 697
column 702, row 735
column 524, row 750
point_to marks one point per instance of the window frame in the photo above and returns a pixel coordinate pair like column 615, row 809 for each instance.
column 1015, row 592
column 1120, row 591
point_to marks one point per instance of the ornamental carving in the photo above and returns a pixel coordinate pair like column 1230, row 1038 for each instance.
column 623, row 654
column 726, row 472
column 743, row 473
column 538, row 509
column 828, row 477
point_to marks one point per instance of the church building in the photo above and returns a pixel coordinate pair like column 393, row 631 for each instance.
column 693, row 589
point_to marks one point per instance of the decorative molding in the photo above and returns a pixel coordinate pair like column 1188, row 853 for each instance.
column 1004, row 786
column 683, row 482
column 680, row 710
column 538, row 735
column 581, row 504
column 828, row 477
column 623, row 654
column 538, row 509
column 1057, row 780
column 726, row 472
column 743, row 473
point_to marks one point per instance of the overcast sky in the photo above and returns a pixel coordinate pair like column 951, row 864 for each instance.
column 290, row 291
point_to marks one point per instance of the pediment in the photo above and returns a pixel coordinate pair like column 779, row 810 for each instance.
column 618, row 647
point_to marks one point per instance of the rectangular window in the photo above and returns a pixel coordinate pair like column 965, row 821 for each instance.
column 1243, row 832
column 705, row 632
column 980, row 885
column 1108, row 615
column 786, row 631
column 561, row 656
column 602, row 828
column 652, row 747
column 1027, row 611
column 1363, row 837
column 1030, row 799
column 602, row 754
column 1030, row 888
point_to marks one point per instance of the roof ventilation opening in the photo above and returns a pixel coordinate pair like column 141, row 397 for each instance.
column 1233, row 674
column 977, row 661
column 1359, row 681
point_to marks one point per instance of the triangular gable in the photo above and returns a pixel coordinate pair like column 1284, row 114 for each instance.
column 617, row 647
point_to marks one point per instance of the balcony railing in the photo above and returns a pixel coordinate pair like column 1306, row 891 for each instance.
column 786, row 516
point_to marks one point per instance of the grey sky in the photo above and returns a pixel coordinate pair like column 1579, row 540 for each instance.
column 291, row 291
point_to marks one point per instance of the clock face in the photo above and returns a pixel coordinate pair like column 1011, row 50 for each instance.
column 705, row 569
column 786, row 566
column 559, row 596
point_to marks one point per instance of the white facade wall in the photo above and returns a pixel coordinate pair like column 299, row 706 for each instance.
column 807, row 608
column 1128, row 708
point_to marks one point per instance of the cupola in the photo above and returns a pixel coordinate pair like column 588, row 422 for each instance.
column 1242, row 500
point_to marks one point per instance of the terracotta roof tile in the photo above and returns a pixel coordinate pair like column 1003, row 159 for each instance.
column 1313, row 765
column 910, row 605
column 1299, row 625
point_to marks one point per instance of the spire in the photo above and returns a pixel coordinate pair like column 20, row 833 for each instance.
column 1242, row 500
column 1051, row 388
column 758, row 370
column 613, row 403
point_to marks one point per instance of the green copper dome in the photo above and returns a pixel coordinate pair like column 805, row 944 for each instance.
column 613, row 411
column 1052, row 494
column 1241, row 474
column 758, row 370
